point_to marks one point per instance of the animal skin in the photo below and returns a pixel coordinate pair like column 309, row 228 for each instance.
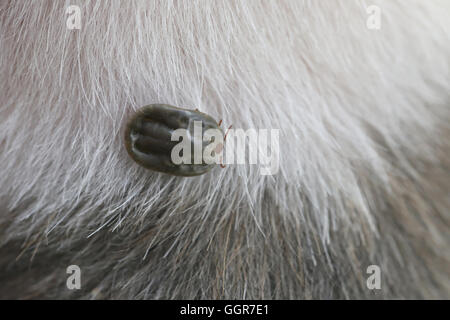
column 364, row 144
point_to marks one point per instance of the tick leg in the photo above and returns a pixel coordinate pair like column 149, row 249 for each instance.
column 227, row 132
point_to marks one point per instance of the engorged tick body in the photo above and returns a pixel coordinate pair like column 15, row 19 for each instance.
column 148, row 137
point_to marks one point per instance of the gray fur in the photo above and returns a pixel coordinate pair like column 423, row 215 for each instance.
column 364, row 169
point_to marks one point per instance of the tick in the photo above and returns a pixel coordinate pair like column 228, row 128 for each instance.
column 148, row 138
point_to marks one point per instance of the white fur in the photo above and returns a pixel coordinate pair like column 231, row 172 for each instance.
column 361, row 114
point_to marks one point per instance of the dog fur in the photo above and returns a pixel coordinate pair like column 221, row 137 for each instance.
column 364, row 150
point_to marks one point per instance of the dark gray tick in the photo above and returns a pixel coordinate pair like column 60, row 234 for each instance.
column 148, row 136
